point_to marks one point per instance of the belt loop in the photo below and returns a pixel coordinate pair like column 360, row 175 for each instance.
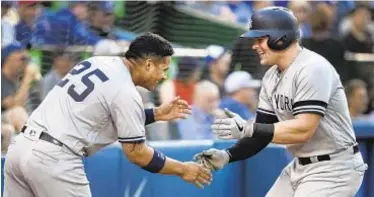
column 23, row 129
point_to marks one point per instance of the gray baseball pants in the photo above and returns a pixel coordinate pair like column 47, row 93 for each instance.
column 37, row 168
column 339, row 177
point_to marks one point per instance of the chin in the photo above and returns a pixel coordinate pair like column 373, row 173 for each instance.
column 149, row 88
column 266, row 63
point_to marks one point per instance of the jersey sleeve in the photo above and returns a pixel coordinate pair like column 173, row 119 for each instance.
column 128, row 117
column 313, row 87
column 265, row 112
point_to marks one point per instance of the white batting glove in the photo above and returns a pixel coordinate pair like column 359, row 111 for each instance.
column 233, row 127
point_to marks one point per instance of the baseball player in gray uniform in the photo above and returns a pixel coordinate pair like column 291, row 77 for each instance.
column 95, row 105
column 302, row 105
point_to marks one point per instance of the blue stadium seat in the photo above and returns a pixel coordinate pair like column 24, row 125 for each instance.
column 103, row 172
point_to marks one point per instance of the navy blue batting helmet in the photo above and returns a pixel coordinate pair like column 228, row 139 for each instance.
column 278, row 23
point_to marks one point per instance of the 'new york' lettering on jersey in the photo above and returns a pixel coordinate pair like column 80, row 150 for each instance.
column 94, row 105
column 309, row 85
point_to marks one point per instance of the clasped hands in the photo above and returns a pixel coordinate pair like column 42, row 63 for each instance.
column 230, row 127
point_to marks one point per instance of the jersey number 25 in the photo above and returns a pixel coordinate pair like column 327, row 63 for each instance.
column 85, row 80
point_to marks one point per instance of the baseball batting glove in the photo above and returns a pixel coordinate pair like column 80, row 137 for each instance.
column 232, row 127
column 213, row 159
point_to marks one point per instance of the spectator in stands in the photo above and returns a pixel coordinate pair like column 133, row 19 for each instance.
column 27, row 12
column 219, row 9
column 62, row 64
column 14, row 61
column 359, row 39
column 204, row 110
column 242, row 94
column 66, row 27
column 7, row 28
column 218, row 65
column 241, row 11
column 301, row 9
column 324, row 44
column 183, row 85
column 101, row 19
column 345, row 23
column 358, row 98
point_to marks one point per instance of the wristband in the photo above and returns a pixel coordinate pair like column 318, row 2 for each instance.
column 149, row 116
column 157, row 162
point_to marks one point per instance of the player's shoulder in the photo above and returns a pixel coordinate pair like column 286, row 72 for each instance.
column 120, row 81
column 312, row 61
column 106, row 62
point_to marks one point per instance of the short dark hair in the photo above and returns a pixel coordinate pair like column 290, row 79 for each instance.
column 149, row 45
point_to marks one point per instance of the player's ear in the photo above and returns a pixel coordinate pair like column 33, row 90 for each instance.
column 148, row 64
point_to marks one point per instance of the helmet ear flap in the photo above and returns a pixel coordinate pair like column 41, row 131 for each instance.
column 280, row 40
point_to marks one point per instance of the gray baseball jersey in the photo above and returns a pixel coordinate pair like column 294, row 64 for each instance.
column 93, row 106
column 309, row 85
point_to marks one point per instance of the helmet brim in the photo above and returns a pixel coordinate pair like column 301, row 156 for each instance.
column 254, row 34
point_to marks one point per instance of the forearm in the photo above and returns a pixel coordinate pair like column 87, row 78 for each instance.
column 152, row 115
column 286, row 132
column 291, row 132
column 246, row 147
column 143, row 155
column 172, row 167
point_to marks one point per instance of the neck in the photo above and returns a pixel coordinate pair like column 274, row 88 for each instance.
column 288, row 56
column 217, row 78
column 130, row 66
column 354, row 113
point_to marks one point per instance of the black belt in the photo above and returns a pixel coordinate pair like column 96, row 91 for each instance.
column 44, row 136
column 307, row 160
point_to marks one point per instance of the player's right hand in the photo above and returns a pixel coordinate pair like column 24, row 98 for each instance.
column 232, row 127
column 196, row 174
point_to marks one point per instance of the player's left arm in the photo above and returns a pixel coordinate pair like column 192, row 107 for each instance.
column 313, row 89
column 314, row 86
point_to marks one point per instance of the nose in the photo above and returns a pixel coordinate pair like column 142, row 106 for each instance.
column 255, row 44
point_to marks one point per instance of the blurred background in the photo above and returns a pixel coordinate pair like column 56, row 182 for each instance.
column 212, row 69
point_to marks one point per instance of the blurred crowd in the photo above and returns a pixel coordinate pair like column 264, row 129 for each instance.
column 208, row 84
